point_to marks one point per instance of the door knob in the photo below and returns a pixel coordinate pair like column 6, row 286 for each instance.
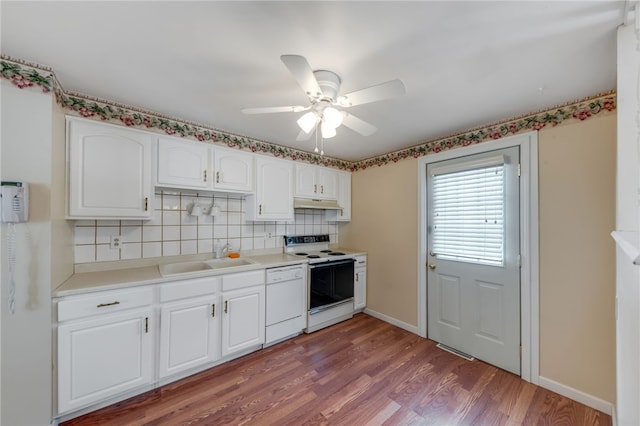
column 432, row 266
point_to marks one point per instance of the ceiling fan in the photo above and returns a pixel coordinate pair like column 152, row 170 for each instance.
column 322, row 87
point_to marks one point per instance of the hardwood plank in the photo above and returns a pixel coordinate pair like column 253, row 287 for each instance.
column 360, row 372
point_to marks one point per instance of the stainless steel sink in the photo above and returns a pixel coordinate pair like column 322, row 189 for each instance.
column 179, row 268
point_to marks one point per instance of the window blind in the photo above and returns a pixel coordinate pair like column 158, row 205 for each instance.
column 468, row 215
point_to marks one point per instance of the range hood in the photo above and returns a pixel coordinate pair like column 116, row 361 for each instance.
column 312, row 203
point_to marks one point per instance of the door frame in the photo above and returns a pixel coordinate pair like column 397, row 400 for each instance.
column 529, row 271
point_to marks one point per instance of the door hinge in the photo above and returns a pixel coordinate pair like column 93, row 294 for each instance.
column 519, row 170
column 520, row 351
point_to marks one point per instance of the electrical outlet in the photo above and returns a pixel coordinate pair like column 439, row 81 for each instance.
column 269, row 236
column 116, row 241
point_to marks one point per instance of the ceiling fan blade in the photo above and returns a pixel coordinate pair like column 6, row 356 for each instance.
column 358, row 125
column 268, row 110
column 386, row 90
column 302, row 72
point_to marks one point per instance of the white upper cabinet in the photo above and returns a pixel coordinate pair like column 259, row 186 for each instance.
column 183, row 164
column 273, row 199
column 315, row 182
column 233, row 170
column 110, row 171
column 344, row 199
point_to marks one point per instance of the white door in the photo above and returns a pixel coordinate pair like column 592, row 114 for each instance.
column 188, row 335
column 274, row 192
column 183, row 164
column 243, row 319
column 233, row 170
column 109, row 171
column 473, row 275
column 103, row 357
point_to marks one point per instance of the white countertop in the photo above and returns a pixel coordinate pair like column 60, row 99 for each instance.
column 103, row 276
column 110, row 276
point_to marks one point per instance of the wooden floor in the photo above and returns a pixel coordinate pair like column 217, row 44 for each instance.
column 361, row 371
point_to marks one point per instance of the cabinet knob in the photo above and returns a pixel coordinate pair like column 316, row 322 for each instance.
column 432, row 266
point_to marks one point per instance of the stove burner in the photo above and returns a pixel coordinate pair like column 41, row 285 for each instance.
column 336, row 253
column 326, row 251
column 302, row 254
column 313, row 256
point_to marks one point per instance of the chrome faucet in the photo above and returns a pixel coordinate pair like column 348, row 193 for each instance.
column 221, row 251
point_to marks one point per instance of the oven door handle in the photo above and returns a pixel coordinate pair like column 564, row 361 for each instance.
column 331, row 263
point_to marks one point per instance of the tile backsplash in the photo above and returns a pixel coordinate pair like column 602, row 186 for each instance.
column 174, row 232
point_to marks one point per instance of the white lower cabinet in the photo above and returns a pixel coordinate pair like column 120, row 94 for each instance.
column 360, row 283
column 243, row 318
column 101, row 355
column 107, row 343
column 189, row 328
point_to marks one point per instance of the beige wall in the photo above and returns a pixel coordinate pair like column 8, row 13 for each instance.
column 577, row 212
column 384, row 222
column 577, row 255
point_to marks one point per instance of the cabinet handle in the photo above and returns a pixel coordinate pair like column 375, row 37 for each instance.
column 213, row 310
column 146, row 204
column 322, row 189
column 146, row 324
column 102, row 305
column 217, row 177
column 315, row 188
column 357, row 276
column 260, row 209
column 205, row 175
column 341, row 212
column 226, row 306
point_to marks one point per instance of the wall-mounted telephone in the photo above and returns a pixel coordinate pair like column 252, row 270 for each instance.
column 15, row 201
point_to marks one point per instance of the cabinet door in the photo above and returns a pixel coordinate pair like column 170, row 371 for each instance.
column 188, row 334
column 233, row 170
column 306, row 185
column 243, row 319
column 274, row 191
column 109, row 171
column 360, row 289
column 183, row 164
column 344, row 199
column 327, row 183
column 104, row 356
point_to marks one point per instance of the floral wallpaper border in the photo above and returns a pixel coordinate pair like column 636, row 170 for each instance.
column 32, row 76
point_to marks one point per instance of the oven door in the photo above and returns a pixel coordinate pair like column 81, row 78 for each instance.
column 330, row 283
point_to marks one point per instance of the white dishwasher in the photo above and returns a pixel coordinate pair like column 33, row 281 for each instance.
column 286, row 302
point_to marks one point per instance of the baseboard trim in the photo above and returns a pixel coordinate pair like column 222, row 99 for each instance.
column 583, row 398
column 403, row 325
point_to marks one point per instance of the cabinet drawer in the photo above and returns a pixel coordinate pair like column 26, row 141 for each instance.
column 242, row 280
column 189, row 288
column 103, row 302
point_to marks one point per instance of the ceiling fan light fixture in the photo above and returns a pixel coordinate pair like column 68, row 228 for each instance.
column 308, row 121
column 332, row 117
column 328, row 131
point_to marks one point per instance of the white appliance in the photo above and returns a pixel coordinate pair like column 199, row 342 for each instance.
column 330, row 288
column 286, row 302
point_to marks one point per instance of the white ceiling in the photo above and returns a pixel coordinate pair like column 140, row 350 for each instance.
column 464, row 64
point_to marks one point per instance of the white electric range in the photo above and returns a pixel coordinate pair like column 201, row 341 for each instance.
column 330, row 279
